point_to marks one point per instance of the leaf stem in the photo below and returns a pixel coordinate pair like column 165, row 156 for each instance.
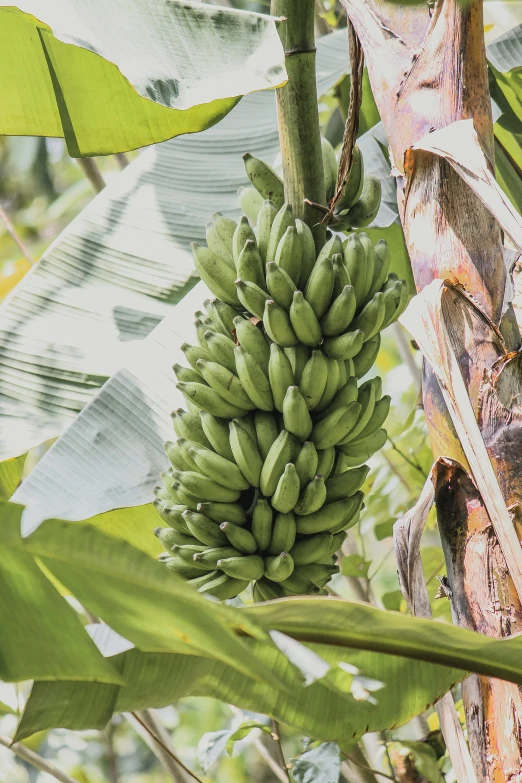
column 32, row 758
column 92, row 172
column 11, row 230
column 282, row 761
column 146, row 720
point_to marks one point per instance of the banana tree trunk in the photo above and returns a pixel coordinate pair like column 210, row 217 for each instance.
column 427, row 67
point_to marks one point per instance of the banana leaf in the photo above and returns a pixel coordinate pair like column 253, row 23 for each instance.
column 152, row 70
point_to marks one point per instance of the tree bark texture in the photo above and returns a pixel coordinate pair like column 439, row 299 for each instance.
column 427, row 67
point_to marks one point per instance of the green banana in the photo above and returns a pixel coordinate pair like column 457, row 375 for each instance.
column 278, row 326
column 341, row 276
column 340, row 314
column 171, row 514
column 287, row 491
column 239, row 537
column 342, row 373
column 279, row 455
column 185, row 374
column 318, row 573
column 354, row 184
column 222, row 314
column 352, row 517
column 279, row 567
column 217, row 432
column 366, row 398
column 181, row 568
column 203, row 487
column 246, row 454
column 224, row 587
column 280, row 285
column 283, row 533
column 312, row 497
column 298, row 356
column 204, row 579
column 186, row 554
column 250, row 266
column 332, row 384
column 344, row 346
column 184, row 497
column 364, row 360
column 370, row 259
column 336, row 426
column 280, row 375
column 377, row 419
column 210, row 557
column 215, row 273
column 311, row 548
column 204, row 529
column 242, row 235
column 355, row 264
column 262, row 518
column 218, row 468
column 249, row 567
column 319, row 288
column 346, row 394
column 333, row 247
column 343, row 485
column 251, row 338
column 175, row 456
column 365, row 210
column 382, row 266
column 267, row 430
column 325, row 518
column 268, row 591
column 224, row 512
column 307, row 241
column 220, row 349
column 329, row 168
column 264, row 179
column 265, row 219
column 252, row 297
column 392, row 300
column 218, row 244
column 296, row 416
column 297, row 584
column 253, row 379
column 289, row 253
column 314, row 379
column 326, row 459
column 226, row 384
column 206, row 399
column 370, row 318
column 283, row 220
column 251, row 202
column 307, row 462
column 168, row 537
column 248, row 424
column 192, row 353
column 357, row 453
column 304, row 321
column 225, row 228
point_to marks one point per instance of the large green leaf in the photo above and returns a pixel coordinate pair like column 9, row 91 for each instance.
column 122, row 265
column 41, row 636
column 156, row 680
column 152, row 70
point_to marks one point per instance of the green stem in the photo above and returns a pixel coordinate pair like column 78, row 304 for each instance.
column 298, row 115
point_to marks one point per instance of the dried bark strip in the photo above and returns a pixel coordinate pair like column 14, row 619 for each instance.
column 428, row 71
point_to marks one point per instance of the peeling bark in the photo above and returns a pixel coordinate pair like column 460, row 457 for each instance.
column 428, row 70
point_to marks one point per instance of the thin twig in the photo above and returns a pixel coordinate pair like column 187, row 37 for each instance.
column 11, row 230
column 122, row 160
column 394, row 470
column 359, row 762
column 145, row 719
column 277, row 732
column 392, row 768
column 112, row 758
column 263, row 751
column 92, row 172
column 411, row 462
column 36, row 761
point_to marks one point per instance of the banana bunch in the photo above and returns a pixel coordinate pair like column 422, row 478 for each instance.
column 267, row 467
